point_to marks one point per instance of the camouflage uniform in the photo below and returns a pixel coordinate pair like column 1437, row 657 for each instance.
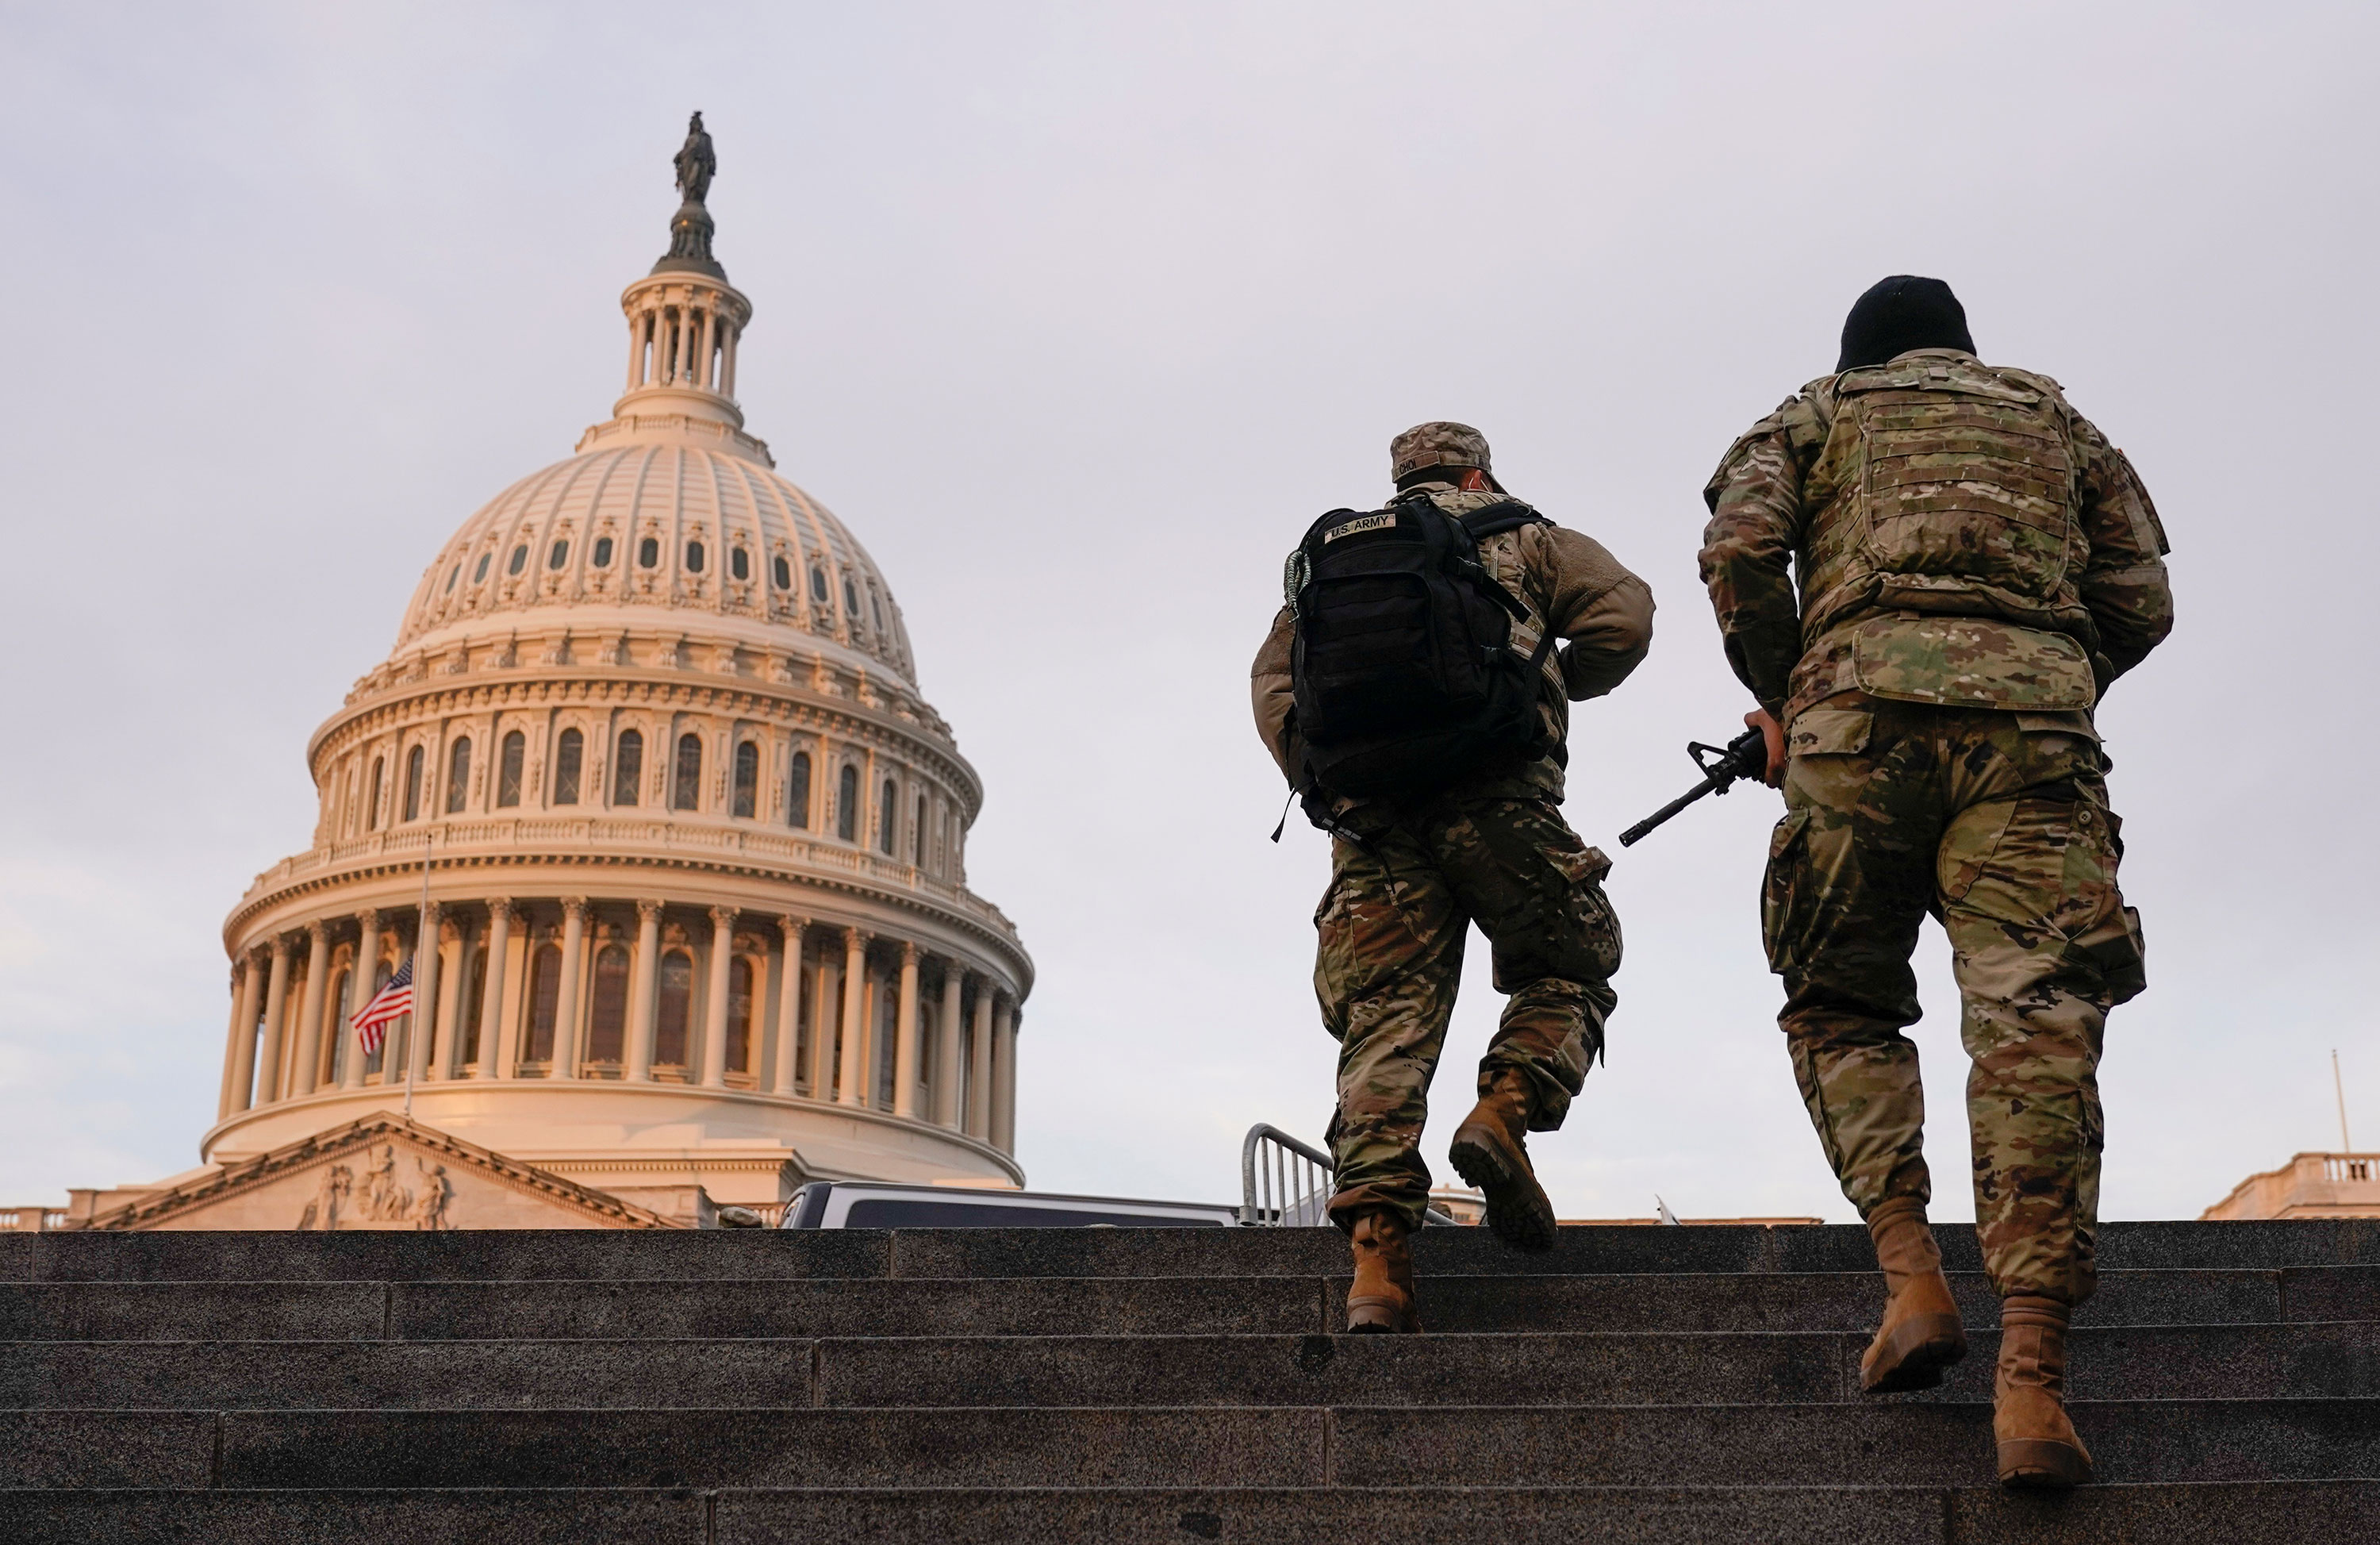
column 1492, row 849
column 1977, row 563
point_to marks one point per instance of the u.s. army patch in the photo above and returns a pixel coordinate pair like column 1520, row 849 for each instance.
column 1362, row 523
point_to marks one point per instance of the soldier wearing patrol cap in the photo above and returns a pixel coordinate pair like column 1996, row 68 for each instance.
column 1412, row 872
column 1977, row 563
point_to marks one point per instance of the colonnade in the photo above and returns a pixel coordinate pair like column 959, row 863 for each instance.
column 691, row 345
column 565, row 988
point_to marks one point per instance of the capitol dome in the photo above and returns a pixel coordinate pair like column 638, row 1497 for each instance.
column 694, row 843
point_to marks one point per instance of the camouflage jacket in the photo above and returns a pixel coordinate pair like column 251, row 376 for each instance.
column 1568, row 580
column 1781, row 507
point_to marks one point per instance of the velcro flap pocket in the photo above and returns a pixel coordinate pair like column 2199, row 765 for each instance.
column 1820, row 732
column 1958, row 661
column 2076, row 723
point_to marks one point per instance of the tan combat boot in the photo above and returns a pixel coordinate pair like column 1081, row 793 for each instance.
column 1380, row 1299
column 2038, row 1448
column 1487, row 1153
column 1921, row 1334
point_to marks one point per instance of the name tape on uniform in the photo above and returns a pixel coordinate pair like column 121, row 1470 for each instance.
column 1366, row 523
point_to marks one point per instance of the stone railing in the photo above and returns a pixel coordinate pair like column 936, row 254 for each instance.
column 2351, row 1168
column 32, row 1219
column 535, row 835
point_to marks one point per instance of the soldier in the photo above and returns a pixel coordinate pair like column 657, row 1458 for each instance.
column 1411, row 871
column 1976, row 564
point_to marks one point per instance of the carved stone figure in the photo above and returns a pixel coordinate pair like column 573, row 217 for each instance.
column 695, row 162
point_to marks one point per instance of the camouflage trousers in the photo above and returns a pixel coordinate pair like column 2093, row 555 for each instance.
column 1997, row 825
column 1393, row 928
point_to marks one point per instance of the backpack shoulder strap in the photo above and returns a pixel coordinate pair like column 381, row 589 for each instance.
column 1505, row 517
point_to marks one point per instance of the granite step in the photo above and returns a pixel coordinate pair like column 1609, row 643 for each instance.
column 794, row 1254
column 2186, row 1513
column 2272, row 1362
column 1838, row 1444
column 1036, row 1306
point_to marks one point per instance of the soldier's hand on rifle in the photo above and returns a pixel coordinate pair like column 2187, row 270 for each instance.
column 1772, row 734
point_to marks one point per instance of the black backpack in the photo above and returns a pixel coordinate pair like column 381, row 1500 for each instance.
column 1402, row 665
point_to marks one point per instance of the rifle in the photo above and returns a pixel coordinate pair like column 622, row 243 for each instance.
column 1745, row 757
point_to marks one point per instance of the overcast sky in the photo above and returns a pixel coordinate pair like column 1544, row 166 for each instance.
column 1077, row 315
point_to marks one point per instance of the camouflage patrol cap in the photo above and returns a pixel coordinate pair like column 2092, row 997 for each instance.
column 1438, row 444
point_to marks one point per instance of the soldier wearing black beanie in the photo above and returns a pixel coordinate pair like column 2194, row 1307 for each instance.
column 1899, row 314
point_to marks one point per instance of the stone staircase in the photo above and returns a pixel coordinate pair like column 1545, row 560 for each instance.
column 1667, row 1384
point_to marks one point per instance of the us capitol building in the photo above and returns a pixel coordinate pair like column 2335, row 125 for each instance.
column 697, row 926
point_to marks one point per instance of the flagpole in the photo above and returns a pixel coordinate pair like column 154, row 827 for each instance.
column 429, row 841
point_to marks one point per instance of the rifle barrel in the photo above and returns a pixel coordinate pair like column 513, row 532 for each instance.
column 1643, row 828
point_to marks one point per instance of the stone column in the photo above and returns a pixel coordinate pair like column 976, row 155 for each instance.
column 360, row 988
column 276, row 1010
column 448, row 1009
column 304, row 1072
column 231, row 1045
column 822, row 1037
column 644, row 984
column 714, row 1012
column 565, row 1007
column 1003, row 1079
column 904, row 1057
column 491, row 1006
column 789, row 1003
column 978, row 1105
column 239, row 1055
column 727, row 365
column 854, row 1090
column 946, row 1047
column 710, row 330
column 422, row 1028
column 636, row 350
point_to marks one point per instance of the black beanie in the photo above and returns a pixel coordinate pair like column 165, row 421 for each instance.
column 1899, row 314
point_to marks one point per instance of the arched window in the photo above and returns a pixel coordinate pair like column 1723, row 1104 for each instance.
column 784, row 573
column 888, row 818
column 739, row 1015
column 850, row 598
column 479, row 569
column 694, row 557
column 876, row 610
column 627, row 767
column 544, row 999
column 797, row 792
column 739, row 563
column 917, row 835
column 558, row 554
column 846, row 805
column 817, row 583
column 413, row 763
column 372, row 805
column 454, row 574
column 607, row 1019
column 648, row 553
column 602, row 556
column 747, row 778
column 686, row 785
column 519, row 559
column 508, row 768
column 568, row 756
column 458, row 774
column 676, row 1009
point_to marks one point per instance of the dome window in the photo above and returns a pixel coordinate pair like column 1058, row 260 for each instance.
column 519, row 559
column 686, row 788
column 629, row 767
column 876, row 610
column 850, row 598
column 888, row 816
column 846, row 805
column 675, row 1012
column 479, row 570
column 414, row 760
column 568, row 757
column 608, row 1024
column 559, row 555
column 513, row 753
column 747, row 778
column 797, row 792
column 458, row 775
column 694, row 557
column 602, row 556
column 739, row 563
column 452, row 575
column 785, row 572
column 648, row 553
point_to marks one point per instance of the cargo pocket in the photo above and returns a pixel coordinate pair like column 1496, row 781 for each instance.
column 1785, row 892
column 1596, row 923
column 2119, row 952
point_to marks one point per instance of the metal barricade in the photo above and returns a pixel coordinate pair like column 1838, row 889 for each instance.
column 1283, row 1183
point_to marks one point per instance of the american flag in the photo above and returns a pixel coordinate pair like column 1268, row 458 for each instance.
column 391, row 1002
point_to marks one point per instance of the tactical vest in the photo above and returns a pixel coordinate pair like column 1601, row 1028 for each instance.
column 1947, row 489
